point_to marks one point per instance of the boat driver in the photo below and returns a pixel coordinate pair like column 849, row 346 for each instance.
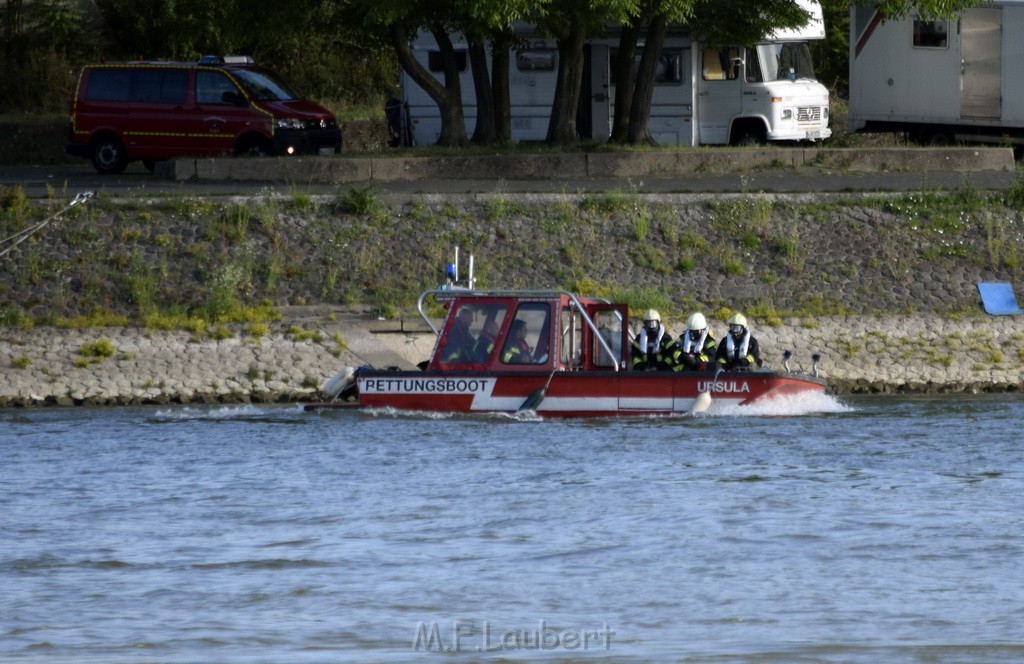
column 460, row 342
column 517, row 351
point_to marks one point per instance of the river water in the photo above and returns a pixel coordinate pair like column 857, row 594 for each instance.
column 853, row 530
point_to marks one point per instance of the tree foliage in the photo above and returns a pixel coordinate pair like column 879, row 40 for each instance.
column 348, row 51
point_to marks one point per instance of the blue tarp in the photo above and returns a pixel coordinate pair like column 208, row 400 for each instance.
column 998, row 299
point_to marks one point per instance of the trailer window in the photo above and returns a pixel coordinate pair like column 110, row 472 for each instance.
column 931, row 34
column 436, row 63
column 670, row 68
column 536, row 59
column 668, row 71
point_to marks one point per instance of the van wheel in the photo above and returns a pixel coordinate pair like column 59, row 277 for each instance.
column 749, row 135
column 108, row 156
column 254, row 147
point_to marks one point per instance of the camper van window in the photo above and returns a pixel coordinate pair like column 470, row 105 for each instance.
column 753, row 68
column 668, row 71
column 795, row 61
column 536, row 59
column 930, row 34
column 791, row 60
column 719, row 64
column 436, row 64
column 670, row 68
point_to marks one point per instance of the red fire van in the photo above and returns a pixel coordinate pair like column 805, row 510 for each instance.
column 126, row 111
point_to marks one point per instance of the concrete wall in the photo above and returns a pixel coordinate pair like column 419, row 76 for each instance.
column 575, row 165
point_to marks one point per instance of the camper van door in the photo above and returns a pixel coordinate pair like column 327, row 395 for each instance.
column 719, row 95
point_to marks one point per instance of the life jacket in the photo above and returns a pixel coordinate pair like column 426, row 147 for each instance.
column 691, row 345
column 650, row 346
column 744, row 347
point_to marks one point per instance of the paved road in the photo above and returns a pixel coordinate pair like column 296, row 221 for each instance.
column 40, row 181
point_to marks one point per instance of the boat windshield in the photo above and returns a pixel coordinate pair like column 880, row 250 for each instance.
column 264, row 85
column 472, row 333
column 789, row 60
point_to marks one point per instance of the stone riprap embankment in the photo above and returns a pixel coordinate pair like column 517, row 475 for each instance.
column 860, row 354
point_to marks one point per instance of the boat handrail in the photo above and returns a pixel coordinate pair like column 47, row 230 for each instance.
column 455, row 292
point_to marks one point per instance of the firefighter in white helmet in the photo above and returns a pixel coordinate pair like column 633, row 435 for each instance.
column 652, row 344
column 738, row 351
column 696, row 349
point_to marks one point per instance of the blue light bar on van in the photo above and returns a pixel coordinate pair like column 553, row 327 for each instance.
column 226, row 60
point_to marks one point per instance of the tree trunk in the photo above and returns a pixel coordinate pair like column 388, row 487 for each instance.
column 562, row 127
column 484, row 132
column 625, row 81
column 453, row 119
column 640, row 110
column 448, row 97
column 501, row 44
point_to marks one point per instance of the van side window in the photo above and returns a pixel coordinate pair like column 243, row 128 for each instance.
column 720, row 64
column 160, row 85
column 211, row 86
column 109, row 85
column 436, row 64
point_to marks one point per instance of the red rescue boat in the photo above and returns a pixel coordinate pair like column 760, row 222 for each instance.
column 551, row 352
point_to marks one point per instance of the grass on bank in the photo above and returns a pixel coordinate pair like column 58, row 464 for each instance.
column 931, row 219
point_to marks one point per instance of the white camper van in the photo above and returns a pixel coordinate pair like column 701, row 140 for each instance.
column 702, row 96
column 939, row 81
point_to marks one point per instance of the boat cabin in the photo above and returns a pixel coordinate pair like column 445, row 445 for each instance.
column 529, row 331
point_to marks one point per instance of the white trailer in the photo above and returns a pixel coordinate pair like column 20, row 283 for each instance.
column 939, row 81
column 702, row 96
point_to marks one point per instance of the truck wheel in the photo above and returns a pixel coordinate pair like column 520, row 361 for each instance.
column 254, row 147
column 108, row 156
column 937, row 136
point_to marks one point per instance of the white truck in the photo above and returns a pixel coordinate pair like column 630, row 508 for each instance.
column 939, row 81
column 702, row 96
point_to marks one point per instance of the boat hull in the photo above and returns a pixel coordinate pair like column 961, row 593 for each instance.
column 572, row 394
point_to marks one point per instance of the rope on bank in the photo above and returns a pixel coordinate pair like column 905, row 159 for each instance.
column 21, row 236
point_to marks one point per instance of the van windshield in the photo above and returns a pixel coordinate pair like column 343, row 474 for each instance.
column 264, row 85
column 789, row 60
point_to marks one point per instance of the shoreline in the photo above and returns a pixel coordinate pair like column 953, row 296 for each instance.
column 44, row 366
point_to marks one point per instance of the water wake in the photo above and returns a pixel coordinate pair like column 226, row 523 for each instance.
column 811, row 403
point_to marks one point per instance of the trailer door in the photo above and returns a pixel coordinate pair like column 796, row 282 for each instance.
column 595, row 102
column 981, row 66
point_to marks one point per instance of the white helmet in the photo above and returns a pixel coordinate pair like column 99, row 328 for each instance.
column 738, row 319
column 652, row 314
column 696, row 322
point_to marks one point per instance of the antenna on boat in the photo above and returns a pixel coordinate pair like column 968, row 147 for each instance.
column 786, row 354
column 814, row 364
column 452, row 273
